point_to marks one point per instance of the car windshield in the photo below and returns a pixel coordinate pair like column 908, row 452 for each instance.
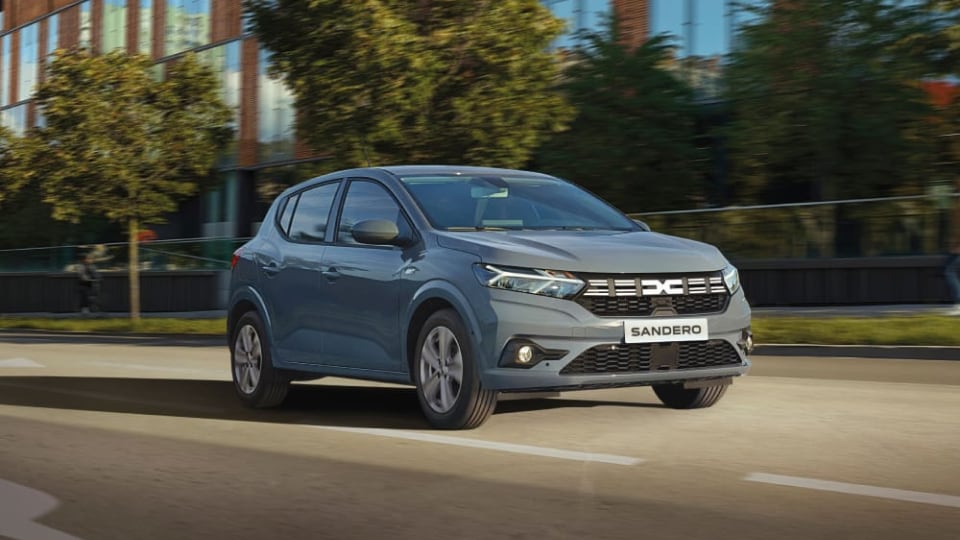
column 471, row 203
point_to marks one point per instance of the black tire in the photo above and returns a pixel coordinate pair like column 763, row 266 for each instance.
column 473, row 404
column 271, row 387
column 676, row 396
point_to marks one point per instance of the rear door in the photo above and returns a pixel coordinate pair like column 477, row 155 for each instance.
column 293, row 281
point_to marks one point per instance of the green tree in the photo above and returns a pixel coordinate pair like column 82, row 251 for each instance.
column 633, row 140
column 826, row 101
column 417, row 80
column 13, row 168
column 121, row 144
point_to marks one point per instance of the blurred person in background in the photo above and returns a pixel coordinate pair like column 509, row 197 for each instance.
column 952, row 272
column 89, row 284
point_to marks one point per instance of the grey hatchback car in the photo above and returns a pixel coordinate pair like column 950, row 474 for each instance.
column 468, row 282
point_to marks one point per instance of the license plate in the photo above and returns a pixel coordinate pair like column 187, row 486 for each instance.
column 665, row 330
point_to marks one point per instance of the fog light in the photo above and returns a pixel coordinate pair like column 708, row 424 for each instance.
column 524, row 354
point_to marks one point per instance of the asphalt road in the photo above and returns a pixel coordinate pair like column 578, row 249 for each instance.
column 136, row 439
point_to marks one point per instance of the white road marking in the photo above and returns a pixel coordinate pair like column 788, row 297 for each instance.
column 20, row 507
column 160, row 369
column 856, row 489
column 20, row 363
column 491, row 445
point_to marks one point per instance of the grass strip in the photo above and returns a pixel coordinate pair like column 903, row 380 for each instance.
column 201, row 327
column 899, row 330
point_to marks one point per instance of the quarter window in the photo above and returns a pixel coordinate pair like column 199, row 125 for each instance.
column 289, row 205
column 312, row 213
column 368, row 200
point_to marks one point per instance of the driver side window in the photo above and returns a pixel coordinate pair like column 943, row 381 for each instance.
column 368, row 200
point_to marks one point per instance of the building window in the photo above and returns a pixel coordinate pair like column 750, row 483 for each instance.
column 53, row 33
column 86, row 25
column 114, row 26
column 5, row 72
column 579, row 15
column 222, row 204
column 225, row 62
column 187, row 25
column 15, row 119
column 29, row 57
column 275, row 115
column 145, row 36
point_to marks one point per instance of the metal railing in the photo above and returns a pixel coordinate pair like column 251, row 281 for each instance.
column 156, row 255
column 893, row 226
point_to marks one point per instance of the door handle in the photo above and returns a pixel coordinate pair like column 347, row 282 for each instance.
column 331, row 273
column 270, row 269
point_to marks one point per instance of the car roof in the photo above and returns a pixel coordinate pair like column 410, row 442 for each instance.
column 404, row 170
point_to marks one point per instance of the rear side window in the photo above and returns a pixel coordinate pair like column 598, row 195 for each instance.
column 312, row 213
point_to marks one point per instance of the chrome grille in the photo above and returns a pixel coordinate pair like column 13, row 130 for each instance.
column 644, row 285
column 644, row 295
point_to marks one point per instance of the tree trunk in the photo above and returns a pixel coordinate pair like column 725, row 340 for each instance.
column 133, row 270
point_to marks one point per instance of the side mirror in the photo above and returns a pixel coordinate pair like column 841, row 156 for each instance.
column 642, row 225
column 377, row 232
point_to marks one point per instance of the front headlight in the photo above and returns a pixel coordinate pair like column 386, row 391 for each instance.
column 545, row 282
column 731, row 278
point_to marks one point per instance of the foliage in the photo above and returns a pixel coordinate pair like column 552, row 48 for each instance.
column 120, row 144
column 633, row 140
column 14, row 165
column 826, row 101
column 416, row 80
column 204, row 327
column 914, row 330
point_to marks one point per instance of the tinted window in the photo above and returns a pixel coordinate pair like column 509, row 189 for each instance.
column 367, row 200
column 312, row 213
column 289, row 205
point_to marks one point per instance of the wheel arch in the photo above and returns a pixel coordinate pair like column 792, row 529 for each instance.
column 243, row 301
column 433, row 297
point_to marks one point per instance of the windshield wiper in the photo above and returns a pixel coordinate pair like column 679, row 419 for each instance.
column 478, row 228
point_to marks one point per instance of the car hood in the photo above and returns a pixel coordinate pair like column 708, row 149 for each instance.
column 634, row 252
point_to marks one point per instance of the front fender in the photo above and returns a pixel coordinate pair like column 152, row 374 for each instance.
column 450, row 293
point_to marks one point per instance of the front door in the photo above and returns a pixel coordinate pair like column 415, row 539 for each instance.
column 365, row 284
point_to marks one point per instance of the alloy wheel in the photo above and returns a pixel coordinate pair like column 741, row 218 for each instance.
column 441, row 369
column 247, row 359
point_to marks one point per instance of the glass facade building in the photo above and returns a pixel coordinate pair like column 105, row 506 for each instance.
column 264, row 141
column 265, row 152
column 701, row 32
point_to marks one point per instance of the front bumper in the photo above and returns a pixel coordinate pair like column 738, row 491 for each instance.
column 561, row 325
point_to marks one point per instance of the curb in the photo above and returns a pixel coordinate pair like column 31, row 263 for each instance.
column 899, row 352
column 29, row 335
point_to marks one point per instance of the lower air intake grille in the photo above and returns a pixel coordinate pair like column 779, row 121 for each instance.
column 636, row 357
